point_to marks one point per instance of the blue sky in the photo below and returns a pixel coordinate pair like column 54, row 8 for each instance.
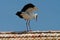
column 48, row 15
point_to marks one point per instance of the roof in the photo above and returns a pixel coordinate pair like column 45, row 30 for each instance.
column 24, row 32
column 30, row 34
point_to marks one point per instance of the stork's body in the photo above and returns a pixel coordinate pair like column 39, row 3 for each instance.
column 28, row 14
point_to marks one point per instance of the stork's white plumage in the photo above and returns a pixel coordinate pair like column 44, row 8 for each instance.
column 27, row 13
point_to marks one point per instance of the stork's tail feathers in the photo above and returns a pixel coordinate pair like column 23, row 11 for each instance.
column 19, row 14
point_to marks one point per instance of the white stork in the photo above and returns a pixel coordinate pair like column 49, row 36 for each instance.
column 27, row 13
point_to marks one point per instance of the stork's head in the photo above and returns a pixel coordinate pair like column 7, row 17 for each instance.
column 35, row 17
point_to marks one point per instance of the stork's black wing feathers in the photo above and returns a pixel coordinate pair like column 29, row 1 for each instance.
column 19, row 14
column 27, row 6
